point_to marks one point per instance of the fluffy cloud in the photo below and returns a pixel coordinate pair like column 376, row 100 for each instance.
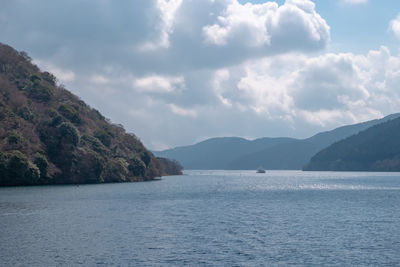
column 159, row 84
column 160, row 35
column 328, row 82
column 296, row 26
column 395, row 26
column 182, row 111
column 326, row 90
column 292, row 26
column 246, row 24
column 167, row 10
column 354, row 2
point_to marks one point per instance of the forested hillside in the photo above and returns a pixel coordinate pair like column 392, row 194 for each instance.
column 50, row 136
column 375, row 149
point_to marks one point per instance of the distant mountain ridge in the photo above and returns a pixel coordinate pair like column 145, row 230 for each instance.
column 271, row 153
column 217, row 153
column 374, row 149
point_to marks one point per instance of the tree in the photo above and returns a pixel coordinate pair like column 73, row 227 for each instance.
column 41, row 162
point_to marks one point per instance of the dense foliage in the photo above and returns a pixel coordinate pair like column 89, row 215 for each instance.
column 170, row 167
column 49, row 136
column 375, row 149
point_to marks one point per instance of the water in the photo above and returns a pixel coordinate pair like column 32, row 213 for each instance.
column 207, row 218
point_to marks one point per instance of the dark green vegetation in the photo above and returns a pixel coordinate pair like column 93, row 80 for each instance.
column 375, row 149
column 271, row 153
column 50, row 136
column 170, row 167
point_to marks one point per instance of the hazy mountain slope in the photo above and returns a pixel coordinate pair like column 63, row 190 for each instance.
column 294, row 155
column 375, row 149
column 271, row 153
column 48, row 135
column 216, row 153
column 348, row 130
column 286, row 156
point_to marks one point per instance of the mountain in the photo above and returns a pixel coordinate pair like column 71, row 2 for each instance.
column 293, row 155
column 50, row 136
column 217, row 153
column 271, row 153
column 375, row 149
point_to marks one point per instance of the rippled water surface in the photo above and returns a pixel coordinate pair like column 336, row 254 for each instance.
column 229, row 218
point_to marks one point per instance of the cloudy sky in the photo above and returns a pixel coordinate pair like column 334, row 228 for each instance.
column 175, row 72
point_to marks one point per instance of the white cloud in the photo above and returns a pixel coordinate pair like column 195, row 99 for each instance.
column 182, row 111
column 325, row 91
column 328, row 82
column 354, row 2
column 325, row 117
column 167, row 9
column 264, row 94
column 162, row 36
column 297, row 21
column 395, row 26
column 99, row 79
column 159, row 84
column 269, row 25
column 220, row 76
column 241, row 23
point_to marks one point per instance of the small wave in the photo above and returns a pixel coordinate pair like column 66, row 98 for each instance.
column 322, row 187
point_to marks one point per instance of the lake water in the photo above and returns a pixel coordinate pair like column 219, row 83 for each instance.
column 207, row 218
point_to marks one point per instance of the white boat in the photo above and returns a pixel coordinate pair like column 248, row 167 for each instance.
column 260, row 170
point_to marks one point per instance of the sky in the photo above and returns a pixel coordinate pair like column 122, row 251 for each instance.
column 176, row 72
